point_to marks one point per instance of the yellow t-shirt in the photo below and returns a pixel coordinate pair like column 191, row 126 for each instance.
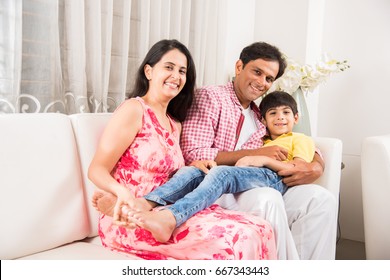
column 297, row 144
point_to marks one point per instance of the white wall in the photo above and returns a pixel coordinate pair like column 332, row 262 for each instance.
column 236, row 27
column 296, row 28
column 354, row 104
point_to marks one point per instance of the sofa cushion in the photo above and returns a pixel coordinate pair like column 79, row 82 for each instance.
column 87, row 129
column 41, row 201
column 80, row 251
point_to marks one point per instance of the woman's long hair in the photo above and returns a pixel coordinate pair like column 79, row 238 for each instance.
column 179, row 105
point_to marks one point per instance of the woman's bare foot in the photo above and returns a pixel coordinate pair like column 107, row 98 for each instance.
column 141, row 204
column 104, row 202
column 95, row 197
column 161, row 224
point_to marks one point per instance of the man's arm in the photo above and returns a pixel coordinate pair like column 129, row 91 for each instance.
column 303, row 172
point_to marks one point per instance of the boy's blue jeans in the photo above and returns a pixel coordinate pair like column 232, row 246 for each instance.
column 190, row 190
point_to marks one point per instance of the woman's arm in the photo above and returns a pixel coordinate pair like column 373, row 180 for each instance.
column 116, row 138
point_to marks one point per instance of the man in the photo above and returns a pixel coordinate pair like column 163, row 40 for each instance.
column 223, row 125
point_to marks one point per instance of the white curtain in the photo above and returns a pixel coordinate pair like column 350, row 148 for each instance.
column 96, row 53
column 73, row 56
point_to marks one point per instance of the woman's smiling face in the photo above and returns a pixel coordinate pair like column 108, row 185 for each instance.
column 169, row 75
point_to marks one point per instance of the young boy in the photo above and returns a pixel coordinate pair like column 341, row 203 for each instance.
column 190, row 190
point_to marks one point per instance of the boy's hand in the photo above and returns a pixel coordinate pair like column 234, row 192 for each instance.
column 275, row 152
column 204, row 165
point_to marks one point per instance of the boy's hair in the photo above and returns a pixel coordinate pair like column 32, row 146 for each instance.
column 277, row 99
column 262, row 50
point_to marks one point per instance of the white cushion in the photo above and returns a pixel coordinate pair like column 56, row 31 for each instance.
column 375, row 164
column 88, row 129
column 41, row 201
column 80, row 251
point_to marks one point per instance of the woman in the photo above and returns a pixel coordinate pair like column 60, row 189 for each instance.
column 139, row 151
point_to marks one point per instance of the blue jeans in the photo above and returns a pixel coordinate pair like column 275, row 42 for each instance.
column 190, row 190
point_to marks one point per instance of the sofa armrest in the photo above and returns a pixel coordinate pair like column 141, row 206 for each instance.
column 41, row 201
column 375, row 172
column 331, row 150
column 87, row 129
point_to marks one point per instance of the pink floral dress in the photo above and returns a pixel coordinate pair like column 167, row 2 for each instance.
column 213, row 233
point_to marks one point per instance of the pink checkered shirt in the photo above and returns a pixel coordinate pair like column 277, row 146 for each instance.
column 214, row 123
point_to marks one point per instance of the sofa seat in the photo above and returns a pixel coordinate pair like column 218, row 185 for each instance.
column 79, row 251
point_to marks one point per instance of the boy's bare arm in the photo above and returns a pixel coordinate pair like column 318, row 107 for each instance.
column 264, row 161
column 230, row 158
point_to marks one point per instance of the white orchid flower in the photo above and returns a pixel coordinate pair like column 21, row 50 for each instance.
column 307, row 76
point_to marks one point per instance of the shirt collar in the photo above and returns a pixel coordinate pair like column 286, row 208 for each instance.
column 233, row 94
column 268, row 138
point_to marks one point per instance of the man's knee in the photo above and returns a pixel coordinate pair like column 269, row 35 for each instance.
column 260, row 200
column 322, row 198
column 310, row 199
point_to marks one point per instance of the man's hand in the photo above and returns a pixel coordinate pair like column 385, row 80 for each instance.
column 302, row 173
column 204, row 165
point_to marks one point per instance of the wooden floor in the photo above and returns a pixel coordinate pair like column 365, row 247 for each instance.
column 350, row 250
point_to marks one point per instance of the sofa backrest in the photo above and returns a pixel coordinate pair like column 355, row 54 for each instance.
column 88, row 129
column 41, row 202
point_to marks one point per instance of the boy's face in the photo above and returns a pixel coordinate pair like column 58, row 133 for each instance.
column 279, row 120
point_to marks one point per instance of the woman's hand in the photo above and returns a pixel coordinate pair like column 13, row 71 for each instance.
column 204, row 165
column 122, row 206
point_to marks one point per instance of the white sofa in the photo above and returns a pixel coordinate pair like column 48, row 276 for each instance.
column 45, row 193
column 375, row 164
